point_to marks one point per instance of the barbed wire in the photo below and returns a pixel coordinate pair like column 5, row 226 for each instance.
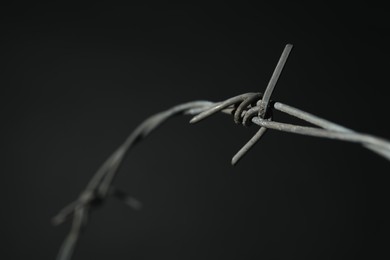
column 246, row 109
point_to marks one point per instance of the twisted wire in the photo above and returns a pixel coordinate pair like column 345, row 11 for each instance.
column 325, row 129
column 247, row 109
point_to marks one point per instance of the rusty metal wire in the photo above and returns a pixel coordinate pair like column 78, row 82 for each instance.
column 247, row 109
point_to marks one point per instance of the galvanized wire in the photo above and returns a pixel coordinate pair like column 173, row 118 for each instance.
column 246, row 109
column 327, row 129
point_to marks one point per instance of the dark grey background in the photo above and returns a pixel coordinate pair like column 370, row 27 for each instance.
column 77, row 79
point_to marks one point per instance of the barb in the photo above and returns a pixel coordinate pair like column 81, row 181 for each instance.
column 263, row 109
column 274, row 79
column 247, row 109
column 327, row 129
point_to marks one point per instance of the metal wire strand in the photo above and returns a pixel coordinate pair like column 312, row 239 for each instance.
column 315, row 120
column 246, row 109
column 221, row 106
column 317, row 132
column 69, row 244
column 100, row 186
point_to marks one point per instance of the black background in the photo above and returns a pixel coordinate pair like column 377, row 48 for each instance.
column 76, row 80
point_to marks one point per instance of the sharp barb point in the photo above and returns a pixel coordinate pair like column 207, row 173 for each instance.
column 274, row 79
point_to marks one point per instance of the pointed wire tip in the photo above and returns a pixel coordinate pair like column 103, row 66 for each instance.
column 234, row 160
column 195, row 119
column 238, row 156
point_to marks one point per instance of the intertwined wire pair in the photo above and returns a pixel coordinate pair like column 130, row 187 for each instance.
column 246, row 109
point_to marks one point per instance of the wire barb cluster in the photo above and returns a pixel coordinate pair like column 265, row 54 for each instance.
column 247, row 109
